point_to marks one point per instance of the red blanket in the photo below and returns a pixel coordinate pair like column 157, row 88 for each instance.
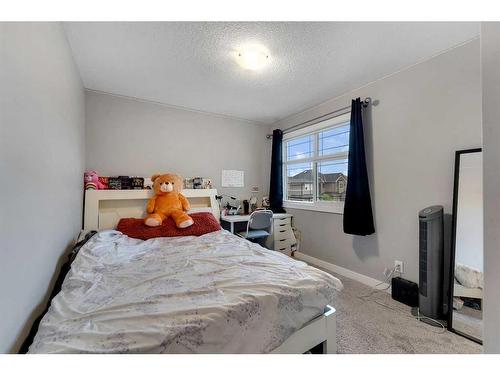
column 204, row 222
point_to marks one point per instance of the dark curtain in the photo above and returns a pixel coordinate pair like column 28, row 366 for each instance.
column 358, row 215
column 276, row 188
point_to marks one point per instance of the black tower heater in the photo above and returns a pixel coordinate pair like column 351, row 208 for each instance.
column 431, row 249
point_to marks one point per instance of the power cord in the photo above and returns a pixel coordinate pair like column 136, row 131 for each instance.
column 420, row 317
column 388, row 277
column 298, row 239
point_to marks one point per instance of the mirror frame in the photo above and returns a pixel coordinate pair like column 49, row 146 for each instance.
column 458, row 154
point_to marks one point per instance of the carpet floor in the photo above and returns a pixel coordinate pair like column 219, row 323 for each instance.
column 369, row 321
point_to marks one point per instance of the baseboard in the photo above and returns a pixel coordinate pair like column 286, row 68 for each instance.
column 363, row 279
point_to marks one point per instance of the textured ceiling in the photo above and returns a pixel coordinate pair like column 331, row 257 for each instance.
column 191, row 64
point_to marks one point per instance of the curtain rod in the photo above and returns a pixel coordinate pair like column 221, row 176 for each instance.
column 365, row 103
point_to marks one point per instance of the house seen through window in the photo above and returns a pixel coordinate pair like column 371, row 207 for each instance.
column 315, row 165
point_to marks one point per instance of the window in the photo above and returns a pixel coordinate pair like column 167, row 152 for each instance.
column 315, row 166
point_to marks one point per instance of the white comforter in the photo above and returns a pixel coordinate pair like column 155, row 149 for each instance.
column 216, row 293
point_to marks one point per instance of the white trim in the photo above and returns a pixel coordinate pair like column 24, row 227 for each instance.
column 177, row 107
column 333, row 207
column 363, row 279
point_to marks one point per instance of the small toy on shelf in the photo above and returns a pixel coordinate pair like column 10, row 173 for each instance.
column 207, row 183
column 114, row 183
column 148, row 184
column 104, row 181
column 91, row 181
column 137, row 183
column 126, row 182
column 198, row 183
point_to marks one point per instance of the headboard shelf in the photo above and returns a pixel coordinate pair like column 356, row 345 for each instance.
column 104, row 208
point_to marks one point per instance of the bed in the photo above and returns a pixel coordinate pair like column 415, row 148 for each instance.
column 216, row 293
column 469, row 282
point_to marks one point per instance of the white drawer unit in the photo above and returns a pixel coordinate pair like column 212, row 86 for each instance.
column 283, row 238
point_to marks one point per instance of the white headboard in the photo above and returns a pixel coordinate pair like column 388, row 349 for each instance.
column 104, row 208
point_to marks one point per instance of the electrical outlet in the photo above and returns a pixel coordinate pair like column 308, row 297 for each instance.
column 399, row 266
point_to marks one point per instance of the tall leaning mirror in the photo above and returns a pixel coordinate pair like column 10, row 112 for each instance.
column 466, row 316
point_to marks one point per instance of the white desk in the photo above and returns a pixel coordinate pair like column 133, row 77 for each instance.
column 282, row 238
column 231, row 219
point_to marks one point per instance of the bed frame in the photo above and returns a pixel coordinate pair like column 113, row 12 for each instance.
column 104, row 208
column 462, row 291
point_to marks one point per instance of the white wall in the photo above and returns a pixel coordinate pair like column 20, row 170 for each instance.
column 490, row 61
column 41, row 164
column 425, row 114
column 131, row 137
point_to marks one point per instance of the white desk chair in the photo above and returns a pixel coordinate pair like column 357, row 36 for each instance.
column 259, row 226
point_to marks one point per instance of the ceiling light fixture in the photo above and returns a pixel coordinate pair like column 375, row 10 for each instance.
column 252, row 57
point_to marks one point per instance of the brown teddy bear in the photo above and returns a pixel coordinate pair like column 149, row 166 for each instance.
column 168, row 202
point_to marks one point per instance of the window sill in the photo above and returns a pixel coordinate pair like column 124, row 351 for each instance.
column 330, row 207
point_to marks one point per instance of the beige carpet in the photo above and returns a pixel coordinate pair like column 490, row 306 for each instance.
column 370, row 321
